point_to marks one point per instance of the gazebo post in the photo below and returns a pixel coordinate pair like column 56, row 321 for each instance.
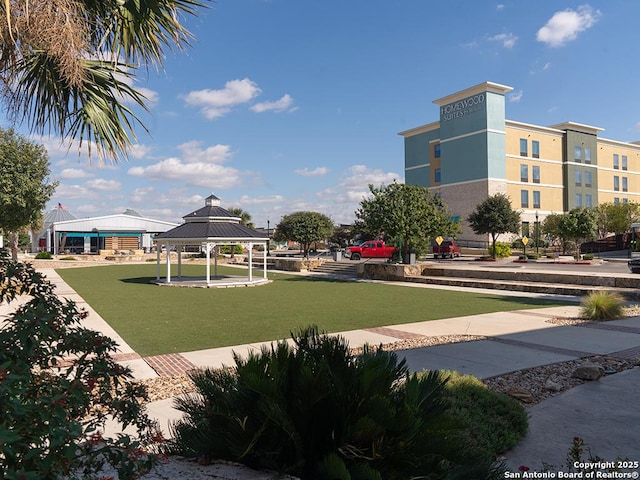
column 215, row 260
column 207, row 250
column 264, row 259
column 179, row 261
column 158, row 248
column 250, row 261
column 168, row 262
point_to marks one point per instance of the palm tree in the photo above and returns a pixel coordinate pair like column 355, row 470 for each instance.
column 66, row 66
column 245, row 217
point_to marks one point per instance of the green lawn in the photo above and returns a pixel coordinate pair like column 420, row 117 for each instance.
column 156, row 320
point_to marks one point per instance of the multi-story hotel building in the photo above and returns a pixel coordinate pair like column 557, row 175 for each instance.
column 473, row 152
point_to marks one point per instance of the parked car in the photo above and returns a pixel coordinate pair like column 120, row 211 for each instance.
column 448, row 248
column 371, row 249
column 634, row 265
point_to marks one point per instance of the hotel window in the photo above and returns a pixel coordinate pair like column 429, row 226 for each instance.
column 587, row 155
column 436, row 175
column 535, row 173
column 578, row 200
column 578, row 178
column 624, row 162
column 587, row 178
column 588, row 202
column 524, row 198
column 625, row 200
column 616, row 183
column 524, row 173
column 616, row 201
column 436, row 150
column 536, row 199
column 616, row 161
column 625, row 184
column 535, row 149
column 523, row 147
column 577, row 153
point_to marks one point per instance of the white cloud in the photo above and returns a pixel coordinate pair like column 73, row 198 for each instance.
column 139, row 150
column 564, row 26
column 104, row 185
column 216, row 103
column 508, row 40
column 515, row 97
column 305, row 172
column 193, row 153
column 197, row 167
column 500, row 7
column 267, row 200
column 86, row 208
column 70, row 173
column 141, row 194
column 282, row 105
column 72, row 192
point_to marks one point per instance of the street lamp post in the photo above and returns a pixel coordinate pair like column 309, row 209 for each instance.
column 268, row 237
column 537, row 232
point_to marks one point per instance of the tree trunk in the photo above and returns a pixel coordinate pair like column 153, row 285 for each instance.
column 13, row 245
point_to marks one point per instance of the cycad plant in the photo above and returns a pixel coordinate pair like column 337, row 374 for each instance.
column 316, row 411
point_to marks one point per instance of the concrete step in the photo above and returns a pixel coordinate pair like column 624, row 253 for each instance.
column 345, row 269
column 534, row 287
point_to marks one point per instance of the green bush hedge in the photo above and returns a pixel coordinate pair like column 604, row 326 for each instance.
column 317, row 412
column 602, row 305
column 44, row 256
column 503, row 250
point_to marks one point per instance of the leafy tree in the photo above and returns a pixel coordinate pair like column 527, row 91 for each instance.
column 25, row 188
column 245, row 217
column 578, row 225
column 304, row 228
column 615, row 218
column 494, row 216
column 551, row 228
column 67, row 65
column 408, row 214
column 341, row 235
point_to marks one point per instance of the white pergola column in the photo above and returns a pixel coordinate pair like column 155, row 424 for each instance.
column 167, row 249
column 264, row 260
column 207, row 249
column 250, row 261
column 158, row 248
column 179, row 248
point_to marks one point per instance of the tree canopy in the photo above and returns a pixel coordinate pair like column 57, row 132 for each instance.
column 243, row 215
column 25, row 188
column 67, row 65
column 578, row 225
column 408, row 215
column 494, row 216
column 304, row 228
column 615, row 217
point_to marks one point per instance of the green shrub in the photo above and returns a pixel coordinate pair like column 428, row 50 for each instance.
column 602, row 305
column 58, row 385
column 490, row 423
column 68, row 258
column 503, row 250
column 44, row 256
column 316, row 411
column 533, row 256
column 587, row 256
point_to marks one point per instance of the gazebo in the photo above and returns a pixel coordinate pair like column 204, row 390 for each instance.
column 208, row 227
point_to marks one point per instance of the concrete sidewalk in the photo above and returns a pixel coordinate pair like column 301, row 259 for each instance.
column 517, row 340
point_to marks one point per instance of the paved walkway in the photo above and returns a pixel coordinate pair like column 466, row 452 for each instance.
column 517, row 340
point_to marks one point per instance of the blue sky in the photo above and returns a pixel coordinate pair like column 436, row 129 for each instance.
column 287, row 105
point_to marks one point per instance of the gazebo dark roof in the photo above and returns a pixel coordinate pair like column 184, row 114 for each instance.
column 201, row 230
column 211, row 222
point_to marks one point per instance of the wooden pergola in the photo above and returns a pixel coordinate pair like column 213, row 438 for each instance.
column 209, row 227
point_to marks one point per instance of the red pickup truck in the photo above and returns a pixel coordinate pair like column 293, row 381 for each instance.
column 447, row 248
column 371, row 249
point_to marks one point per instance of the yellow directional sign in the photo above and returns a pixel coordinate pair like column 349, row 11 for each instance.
column 439, row 240
column 525, row 240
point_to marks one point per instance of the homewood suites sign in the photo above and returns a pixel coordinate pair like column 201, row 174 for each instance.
column 462, row 107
